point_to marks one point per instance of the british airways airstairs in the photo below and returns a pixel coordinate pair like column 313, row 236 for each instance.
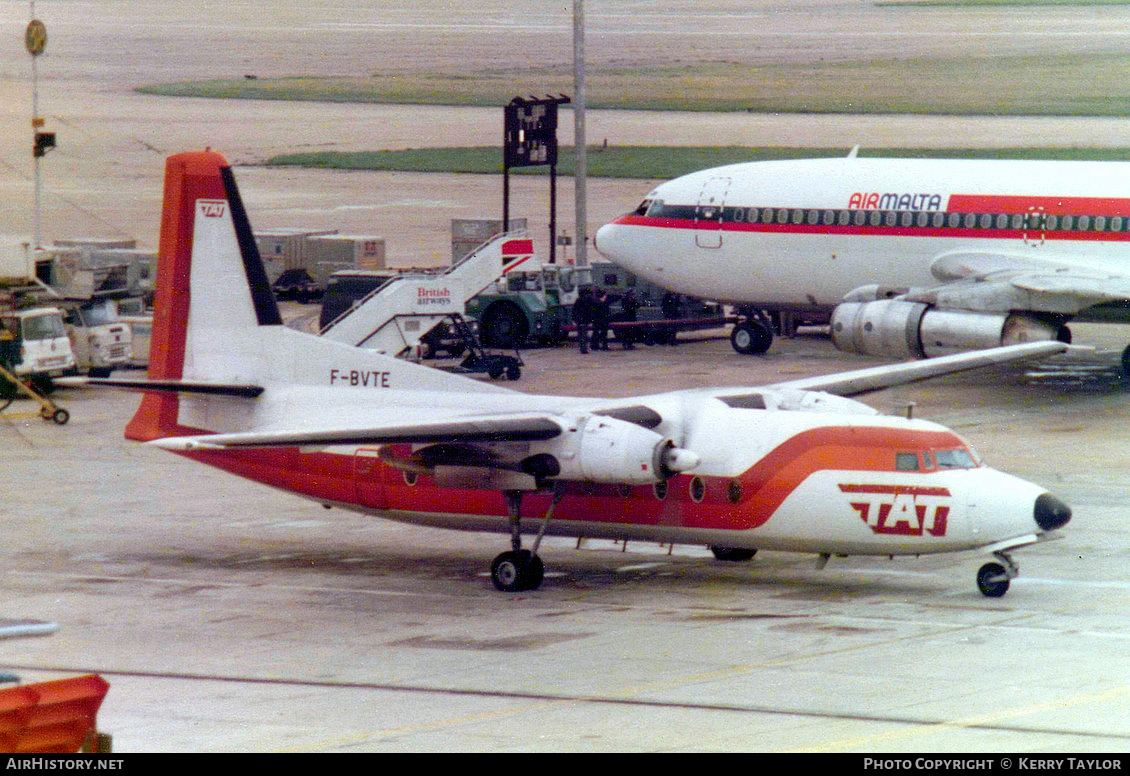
column 395, row 316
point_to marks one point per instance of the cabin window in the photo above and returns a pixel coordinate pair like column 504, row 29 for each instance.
column 859, row 217
column 783, row 215
column 1100, row 223
column 1116, row 224
column 906, row 462
column 953, row 220
column 660, row 490
column 1051, row 223
column 875, row 218
column 844, row 217
column 1067, row 223
column 1018, row 221
column 813, row 217
column 829, row 217
column 698, row 489
column 938, row 220
column 798, row 216
column 922, row 219
column 767, row 215
column 1084, row 223
column 734, row 491
column 890, row 218
column 906, row 218
column 1002, row 221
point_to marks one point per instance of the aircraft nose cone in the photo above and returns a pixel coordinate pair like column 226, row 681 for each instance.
column 1051, row 513
column 600, row 241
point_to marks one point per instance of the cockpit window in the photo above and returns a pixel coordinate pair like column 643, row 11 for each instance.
column 642, row 209
column 906, row 462
column 956, row 458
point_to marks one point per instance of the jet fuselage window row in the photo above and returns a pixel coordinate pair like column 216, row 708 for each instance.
column 933, row 219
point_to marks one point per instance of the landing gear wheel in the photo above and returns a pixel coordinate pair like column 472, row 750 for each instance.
column 751, row 338
column 515, row 571
column 513, row 373
column 992, row 580
column 60, row 416
column 732, row 554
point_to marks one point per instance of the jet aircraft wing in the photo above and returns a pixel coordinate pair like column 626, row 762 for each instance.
column 984, row 282
column 861, row 381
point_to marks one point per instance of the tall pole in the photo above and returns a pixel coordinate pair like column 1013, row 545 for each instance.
column 579, row 149
column 36, row 122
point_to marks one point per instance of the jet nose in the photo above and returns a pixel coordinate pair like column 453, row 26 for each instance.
column 602, row 238
column 1051, row 513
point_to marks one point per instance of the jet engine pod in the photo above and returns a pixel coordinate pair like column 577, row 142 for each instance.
column 606, row 449
column 900, row 329
column 883, row 328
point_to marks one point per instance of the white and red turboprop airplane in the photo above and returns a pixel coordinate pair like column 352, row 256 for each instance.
column 914, row 258
column 793, row 466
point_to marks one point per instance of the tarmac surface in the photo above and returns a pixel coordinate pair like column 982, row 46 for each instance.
column 230, row 617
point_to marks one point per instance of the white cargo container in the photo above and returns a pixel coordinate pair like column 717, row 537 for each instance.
column 330, row 253
column 286, row 248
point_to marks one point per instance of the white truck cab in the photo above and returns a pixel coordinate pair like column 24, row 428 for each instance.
column 38, row 342
column 100, row 341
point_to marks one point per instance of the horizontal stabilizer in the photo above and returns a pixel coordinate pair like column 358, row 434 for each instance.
column 167, row 386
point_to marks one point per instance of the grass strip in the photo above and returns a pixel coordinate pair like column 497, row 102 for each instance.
column 650, row 162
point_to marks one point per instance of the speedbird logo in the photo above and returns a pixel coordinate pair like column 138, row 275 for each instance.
column 901, row 510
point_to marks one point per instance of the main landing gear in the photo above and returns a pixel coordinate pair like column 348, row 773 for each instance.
column 993, row 578
column 752, row 335
column 518, row 569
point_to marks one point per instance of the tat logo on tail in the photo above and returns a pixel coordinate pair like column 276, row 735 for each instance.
column 212, row 208
column 900, row 510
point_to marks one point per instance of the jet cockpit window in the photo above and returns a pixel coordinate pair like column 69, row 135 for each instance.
column 643, row 208
column 957, row 458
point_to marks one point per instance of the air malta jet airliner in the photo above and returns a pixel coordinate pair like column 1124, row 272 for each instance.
column 913, row 258
column 795, row 466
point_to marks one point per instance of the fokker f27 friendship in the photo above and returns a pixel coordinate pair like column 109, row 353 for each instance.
column 795, row 466
column 913, row 257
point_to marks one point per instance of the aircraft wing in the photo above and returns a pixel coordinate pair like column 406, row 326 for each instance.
column 997, row 282
column 861, row 381
column 458, row 428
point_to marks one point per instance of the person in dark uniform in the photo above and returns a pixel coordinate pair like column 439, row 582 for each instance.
column 631, row 308
column 602, row 317
column 583, row 310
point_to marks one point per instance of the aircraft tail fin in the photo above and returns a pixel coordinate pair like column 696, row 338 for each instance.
column 202, row 222
column 217, row 330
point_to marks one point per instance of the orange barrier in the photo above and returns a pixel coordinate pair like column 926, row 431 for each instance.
column 51, row 717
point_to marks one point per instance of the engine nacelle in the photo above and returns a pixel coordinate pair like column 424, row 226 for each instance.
column 899, row 329
column 604, row 449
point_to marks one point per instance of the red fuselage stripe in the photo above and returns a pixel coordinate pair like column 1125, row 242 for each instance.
column 738, row 503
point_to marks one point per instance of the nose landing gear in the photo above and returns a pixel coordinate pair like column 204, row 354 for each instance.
column 993, row 578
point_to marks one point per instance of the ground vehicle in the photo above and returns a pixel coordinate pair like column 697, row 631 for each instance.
column 296, row 284
column 528, row 305
column 39, row 345
column 100, row 341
